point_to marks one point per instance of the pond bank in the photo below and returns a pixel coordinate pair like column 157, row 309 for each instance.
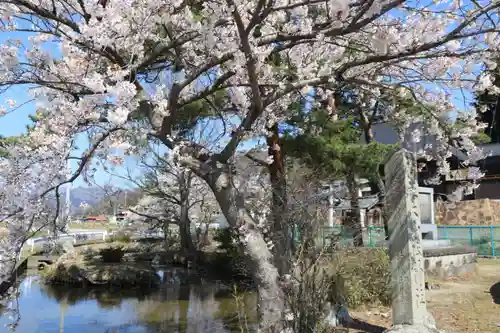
column 73, row 269
column 131, row 264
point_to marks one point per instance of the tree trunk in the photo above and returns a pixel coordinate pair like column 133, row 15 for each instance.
column 187, row 243
column 259, row 258
column 385, row 217
column 166, row 239
column 280, row 230
column 355, row 212
column 368, row 131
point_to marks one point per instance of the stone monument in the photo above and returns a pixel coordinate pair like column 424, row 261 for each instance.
column 409, row 310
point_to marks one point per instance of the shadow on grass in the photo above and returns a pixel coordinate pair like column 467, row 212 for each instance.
column 495, row 293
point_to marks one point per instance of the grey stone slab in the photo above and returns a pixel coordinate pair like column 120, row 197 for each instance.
column 405, row 242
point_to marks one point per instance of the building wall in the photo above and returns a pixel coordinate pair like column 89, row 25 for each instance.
column 470, row 212
column 489, row 189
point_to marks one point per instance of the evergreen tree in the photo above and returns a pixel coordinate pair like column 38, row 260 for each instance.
column 490, row 103
column 334, row 150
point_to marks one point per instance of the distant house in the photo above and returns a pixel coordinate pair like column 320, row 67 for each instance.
column 489, row 185
column 100, row 219
column 121, row 218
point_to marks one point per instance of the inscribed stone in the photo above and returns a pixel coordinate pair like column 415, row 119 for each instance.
column 405, row 240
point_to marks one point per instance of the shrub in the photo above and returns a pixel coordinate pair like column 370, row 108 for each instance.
column 227, row 240
column 112, row 254
column 481, row 241
column 230, row 259
column 365, row 276
column 119, row 237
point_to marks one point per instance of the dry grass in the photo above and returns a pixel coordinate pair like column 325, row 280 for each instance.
column 460, row 305
column 93, row 226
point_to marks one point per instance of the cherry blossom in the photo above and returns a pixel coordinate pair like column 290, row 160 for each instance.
column 90, row 66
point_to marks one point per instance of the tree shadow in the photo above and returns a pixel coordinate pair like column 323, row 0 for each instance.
column 495, row 293
column 363, row 326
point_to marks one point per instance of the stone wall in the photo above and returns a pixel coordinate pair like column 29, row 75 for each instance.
column 470, row 212
column 450, row 265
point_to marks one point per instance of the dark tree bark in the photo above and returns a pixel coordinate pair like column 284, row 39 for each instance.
column 281, row 230
column 187, row 243
column 355, row 212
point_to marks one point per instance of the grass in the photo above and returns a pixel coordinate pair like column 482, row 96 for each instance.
column 460, row 305
column 93, row 226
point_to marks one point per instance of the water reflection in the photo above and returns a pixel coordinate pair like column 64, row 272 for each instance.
column 182, row 304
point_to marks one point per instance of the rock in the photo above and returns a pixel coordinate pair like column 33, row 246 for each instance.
column 338, row 315
column 129, row 257
column 157, row 260
column 68, row 247
column 429, row 326
column 432, row 286
column 429, row 320
column 413, row 329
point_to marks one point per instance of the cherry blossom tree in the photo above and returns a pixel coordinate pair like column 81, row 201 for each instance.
column 92, row 67
column 173, row 195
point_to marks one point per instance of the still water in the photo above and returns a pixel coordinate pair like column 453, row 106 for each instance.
column 182, row 304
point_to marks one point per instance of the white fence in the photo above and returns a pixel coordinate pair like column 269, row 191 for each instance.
column 73, row 237
column 83, row 236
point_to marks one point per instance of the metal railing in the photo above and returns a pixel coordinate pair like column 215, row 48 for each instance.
column 339, row 236
column 485, row 239
column 83, row 237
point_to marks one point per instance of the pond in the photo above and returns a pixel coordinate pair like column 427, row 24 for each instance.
column 182, row 304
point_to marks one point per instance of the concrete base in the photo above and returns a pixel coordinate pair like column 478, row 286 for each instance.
column 435, row 243
column 428, row 326
column 430, row 231
column 413, row 329
column 450, row 266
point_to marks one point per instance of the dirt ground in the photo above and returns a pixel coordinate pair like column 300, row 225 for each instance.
column 459, row 305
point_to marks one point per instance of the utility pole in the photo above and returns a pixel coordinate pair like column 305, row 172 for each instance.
column 67, row 211
column 331, row 218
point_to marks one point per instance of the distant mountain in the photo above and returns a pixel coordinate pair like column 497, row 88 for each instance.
column 88, row 195
column 102, row 201
column 79, row 195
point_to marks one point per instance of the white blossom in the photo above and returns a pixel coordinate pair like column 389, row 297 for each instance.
column 104, row 80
